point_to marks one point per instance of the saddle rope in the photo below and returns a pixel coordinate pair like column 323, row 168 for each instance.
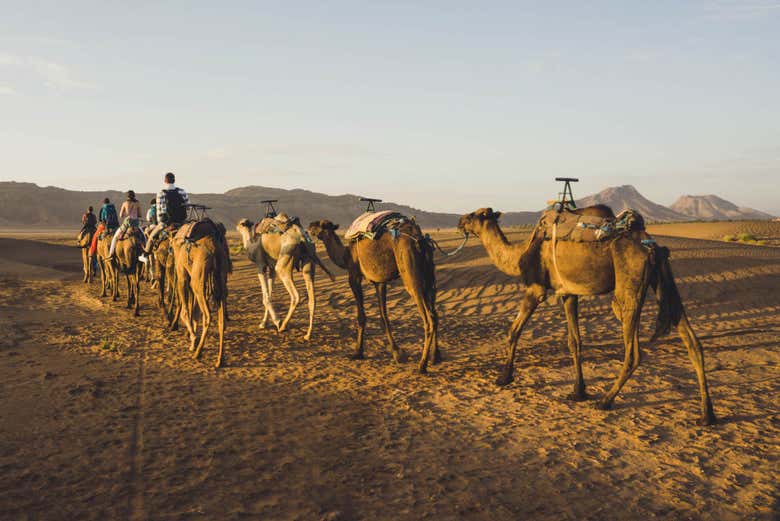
column 555, row 258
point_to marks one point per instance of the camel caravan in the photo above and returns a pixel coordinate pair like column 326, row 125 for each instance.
column 571, row 252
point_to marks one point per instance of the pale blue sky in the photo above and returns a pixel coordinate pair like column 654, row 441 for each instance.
column 442, row 105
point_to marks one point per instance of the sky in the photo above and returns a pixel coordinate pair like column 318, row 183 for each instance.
column 445, row 106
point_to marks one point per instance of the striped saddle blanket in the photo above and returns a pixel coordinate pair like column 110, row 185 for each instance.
column 371, row 224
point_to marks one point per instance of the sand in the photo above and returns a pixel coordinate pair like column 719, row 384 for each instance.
column 107, row 417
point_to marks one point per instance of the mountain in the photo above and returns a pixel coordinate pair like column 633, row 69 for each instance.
column 25, row 204
column 622, row 197
column 714, row 208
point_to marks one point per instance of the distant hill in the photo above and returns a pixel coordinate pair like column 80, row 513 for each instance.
column 714, row 208
column 626, row 196
column 25, row 204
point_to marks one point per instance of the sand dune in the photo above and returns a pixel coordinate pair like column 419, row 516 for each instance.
column 106, row 417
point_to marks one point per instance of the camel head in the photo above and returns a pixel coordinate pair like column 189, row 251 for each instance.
column 320, row 228
column 475, row 221
column 244, row 223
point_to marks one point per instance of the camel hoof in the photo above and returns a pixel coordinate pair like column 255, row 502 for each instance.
column 422, row 369
column 399, row 356
column 505, row 378
column 437, row 358
column 356, row 356
column 708, row 419
column 603, row 405
column 307, row 337
column 581, row 396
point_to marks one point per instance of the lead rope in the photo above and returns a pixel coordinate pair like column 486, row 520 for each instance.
column 453, row 252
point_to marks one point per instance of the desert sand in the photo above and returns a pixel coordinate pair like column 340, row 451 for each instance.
column 107, row 417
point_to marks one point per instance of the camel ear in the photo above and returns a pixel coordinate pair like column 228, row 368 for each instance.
column 335, row 226
column 497, row 215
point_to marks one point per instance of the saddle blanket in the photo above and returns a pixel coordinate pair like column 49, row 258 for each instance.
column 371, row 224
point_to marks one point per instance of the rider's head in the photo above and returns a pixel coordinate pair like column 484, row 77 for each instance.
column 130, row 195
column 153, row 201
column 106, row 201
column 170, row 178
column 89, row 209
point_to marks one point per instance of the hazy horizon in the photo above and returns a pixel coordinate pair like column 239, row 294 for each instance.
column 445, row 107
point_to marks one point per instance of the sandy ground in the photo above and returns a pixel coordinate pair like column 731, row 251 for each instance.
column 107, row 417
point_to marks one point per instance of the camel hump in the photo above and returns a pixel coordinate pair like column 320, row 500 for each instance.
column 371, row 224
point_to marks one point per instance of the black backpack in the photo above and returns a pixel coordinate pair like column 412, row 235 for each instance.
column 175, row 209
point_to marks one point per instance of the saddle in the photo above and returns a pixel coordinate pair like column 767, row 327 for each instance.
column 192, row 231
column 135, row 230
column 279, row 224
column 572, row 226
column 370, row 225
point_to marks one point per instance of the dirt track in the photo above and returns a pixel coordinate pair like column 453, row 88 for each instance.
column 107, row 417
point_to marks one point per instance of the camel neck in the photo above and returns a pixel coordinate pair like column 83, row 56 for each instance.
column 336, row 249
column 244, row 231
column 505, row 255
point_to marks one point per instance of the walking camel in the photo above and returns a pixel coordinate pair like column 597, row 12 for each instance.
column 280, row 253
column 572, row 269
column 108, row 274
column 127, row 251
column 202, row 264
column 84, row 242
column 409, row 256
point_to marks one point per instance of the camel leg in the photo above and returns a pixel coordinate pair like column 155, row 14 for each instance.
column 285, row 274
column 203, row 305
column 436, row 358
column 185, row 311
column 381, row 294
column 696, row 355
column 103, row 279
column 533, row 295
column 632, row 356
column 129, row 291
column 357, row 290
column 221, row 316
column 266, row 285
column 571, row 308
column 137, row 295
column 308, row 278
column 414, row 286
column 115, row 281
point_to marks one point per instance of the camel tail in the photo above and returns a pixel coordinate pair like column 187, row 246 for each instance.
column 670, row 308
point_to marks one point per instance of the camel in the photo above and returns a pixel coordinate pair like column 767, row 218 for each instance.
column 280, row 253
column 162, row 257
column 408, row 256
column 202, row 264
column 108, row 274
column 623, row 265
column 127, row 251
column 84, row 241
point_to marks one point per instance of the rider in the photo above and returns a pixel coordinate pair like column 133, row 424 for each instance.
column 88, row 222
column 131, row 213
column 171, row 209
column 151, row 213
column 108, row 220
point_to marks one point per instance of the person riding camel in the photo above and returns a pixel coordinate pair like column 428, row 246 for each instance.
column 88, row 222
column 171, row 210
column 108, row 221
column 151, row 213
column 131, row 213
